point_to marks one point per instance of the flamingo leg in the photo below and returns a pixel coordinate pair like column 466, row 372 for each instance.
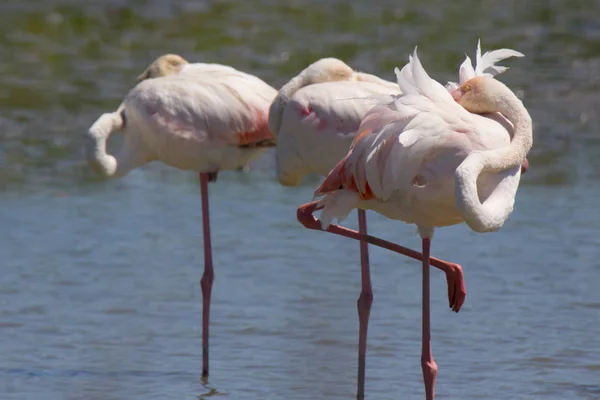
column 363, row 304
column 454, row 273
column 428, row 364
column 207, row 278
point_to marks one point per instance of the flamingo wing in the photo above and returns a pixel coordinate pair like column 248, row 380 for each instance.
column 318, row 124
column 394, row 139
column 225, row 73
column 227, row 109
column 206, row 68
column 389, row 157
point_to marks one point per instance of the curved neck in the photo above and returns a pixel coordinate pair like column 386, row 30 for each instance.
column 515, row 153
column 283, row 97
column 133, row 153
column 95, row 143
column 490, row 215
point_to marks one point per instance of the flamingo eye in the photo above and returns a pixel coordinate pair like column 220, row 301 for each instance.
column 466, row 88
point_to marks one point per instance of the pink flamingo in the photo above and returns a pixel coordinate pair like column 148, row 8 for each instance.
column 430, row 158
column 199, row 117
column 315, row 117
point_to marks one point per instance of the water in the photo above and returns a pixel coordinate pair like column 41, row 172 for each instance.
column 99, row 295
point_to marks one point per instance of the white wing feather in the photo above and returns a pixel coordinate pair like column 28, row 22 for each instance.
column 484, row 65
column 337, row 206
column 466, row 71
column 418, row 125
column 414, row 80
column 413, row 126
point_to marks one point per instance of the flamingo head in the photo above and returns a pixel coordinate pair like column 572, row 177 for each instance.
column 167, row 64
column 482, row 95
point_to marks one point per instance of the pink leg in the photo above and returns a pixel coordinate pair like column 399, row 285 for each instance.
column 363, row 304
column 428, row 364
column 209, row 275
column 454, row 273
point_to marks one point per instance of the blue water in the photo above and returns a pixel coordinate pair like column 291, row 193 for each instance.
column 100, row 298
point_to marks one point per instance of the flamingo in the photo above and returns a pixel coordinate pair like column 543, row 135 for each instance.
column 165, row 65
column 199, row 117
column 429, row 158
column 315, row 117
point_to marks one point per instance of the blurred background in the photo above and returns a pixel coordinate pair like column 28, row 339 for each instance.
column 99, row 294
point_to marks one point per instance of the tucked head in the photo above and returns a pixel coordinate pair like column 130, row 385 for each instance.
column 327, row 70
column 483, row 94
column 166, row 64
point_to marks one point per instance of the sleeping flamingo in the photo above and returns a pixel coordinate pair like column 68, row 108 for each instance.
column 315, row 117
column 430, row 158
column 199, row 117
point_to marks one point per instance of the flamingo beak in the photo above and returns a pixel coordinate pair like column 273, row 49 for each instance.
column 457, row 94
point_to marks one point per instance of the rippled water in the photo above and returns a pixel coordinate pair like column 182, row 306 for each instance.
column 99, row 294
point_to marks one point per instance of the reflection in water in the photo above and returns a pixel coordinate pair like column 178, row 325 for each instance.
column 210, row 393
column 99, row 292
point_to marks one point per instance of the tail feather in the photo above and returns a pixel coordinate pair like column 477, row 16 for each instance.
column 349, row 173
column 334, row 181
column 340, row 195
column 337, row 205
column 414, row 80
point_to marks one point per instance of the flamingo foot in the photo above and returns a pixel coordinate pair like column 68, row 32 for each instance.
column 457, row 291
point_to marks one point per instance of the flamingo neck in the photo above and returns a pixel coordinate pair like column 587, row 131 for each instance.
column 515, row 153
column 278, row 105
column 103, row 163
column 95, row 143
column 491, row 214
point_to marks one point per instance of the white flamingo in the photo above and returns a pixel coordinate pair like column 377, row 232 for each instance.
column 434, row 158
column 315, row 117
column 199, row 117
